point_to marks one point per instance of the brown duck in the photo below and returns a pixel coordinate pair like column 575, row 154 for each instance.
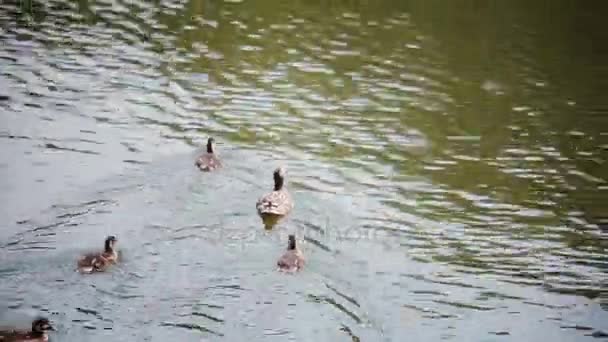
column 40, row 326
column 209, row 161
column 278, row 202
column 99, row 262
column 293, row 259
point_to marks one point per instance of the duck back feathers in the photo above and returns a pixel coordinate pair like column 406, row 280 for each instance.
column 95, row 263
column 275, row 203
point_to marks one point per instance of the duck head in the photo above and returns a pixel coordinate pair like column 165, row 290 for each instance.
column 291, row 242
column 40, row 325
column 110, row 244
column 279, row 178
column 210, row 145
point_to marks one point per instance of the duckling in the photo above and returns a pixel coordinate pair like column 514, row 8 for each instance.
column 209, row 161
column 40, row 326
column 293, row 259
column 277, row 203
column 99, row 262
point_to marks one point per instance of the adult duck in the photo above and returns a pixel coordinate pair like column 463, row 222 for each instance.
column 209, row 161
column 277, row 203
column 99, row 262
column 40, row 326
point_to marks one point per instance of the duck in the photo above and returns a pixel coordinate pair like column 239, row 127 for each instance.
column 40, row 326
column 209, row 161
column 292, row 260
column 277, row 203
column 99, row 262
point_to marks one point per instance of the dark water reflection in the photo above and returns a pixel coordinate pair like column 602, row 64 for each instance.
column 448, row 162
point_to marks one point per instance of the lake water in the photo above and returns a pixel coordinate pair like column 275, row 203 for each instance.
column 448, row 161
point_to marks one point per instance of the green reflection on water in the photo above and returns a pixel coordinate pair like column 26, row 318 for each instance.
column 498, row 107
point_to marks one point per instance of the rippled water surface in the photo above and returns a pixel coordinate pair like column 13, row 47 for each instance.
column 448, row 160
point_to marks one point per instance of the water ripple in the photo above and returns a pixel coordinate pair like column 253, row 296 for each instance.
column 453, row 146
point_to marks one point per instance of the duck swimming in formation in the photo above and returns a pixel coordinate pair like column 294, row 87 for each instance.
column 209, row 161
column 277, row 203
column 40, row 326
column 99, row 262
column 293, row 259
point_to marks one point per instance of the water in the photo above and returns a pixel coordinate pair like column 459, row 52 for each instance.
column 448, row 163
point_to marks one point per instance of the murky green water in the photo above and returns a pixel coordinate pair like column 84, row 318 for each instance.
column 448, row 160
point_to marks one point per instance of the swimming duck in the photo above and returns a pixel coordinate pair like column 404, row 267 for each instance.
column 278, row 203
column 293, row 259
column 40, row 326
column 209, row 161
column 99, row 262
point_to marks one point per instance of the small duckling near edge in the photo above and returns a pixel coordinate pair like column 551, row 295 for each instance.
column 40, row 326
column 99, row 262
column 293, row 259
column 277, row 203
column 209, row 161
